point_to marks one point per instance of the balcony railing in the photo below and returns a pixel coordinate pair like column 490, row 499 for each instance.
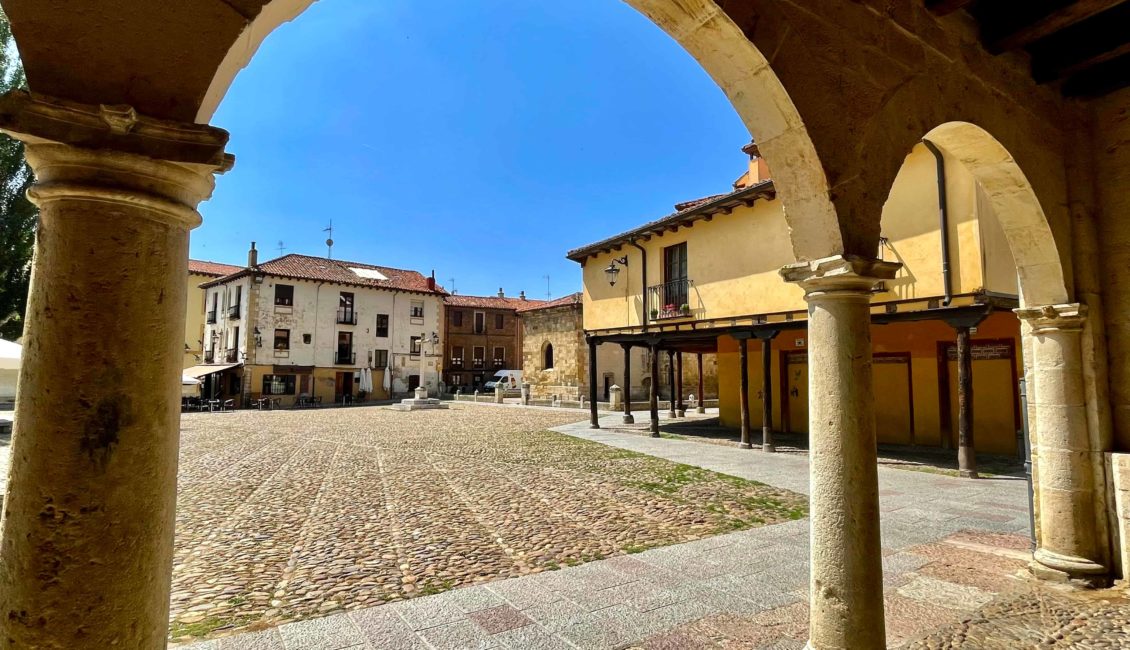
column 231, row 356
column 456, row 363
column 209, row 357
column 233, row 312
column 476, row 363
column 498, row 363
column 345, row 358
column 669, row 300
column 211, row 318
column 346, row 317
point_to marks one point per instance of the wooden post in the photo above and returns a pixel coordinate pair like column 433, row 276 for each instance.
column 671, row 384
column 654, row 392
column 627, row 387
column 594, row 418
column 680, row 408
column 767, row 395
column 701, row 390
column 966, row 455
column 743, row 398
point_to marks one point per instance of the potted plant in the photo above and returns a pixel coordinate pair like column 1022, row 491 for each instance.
column 654, row 314
column 685, row 308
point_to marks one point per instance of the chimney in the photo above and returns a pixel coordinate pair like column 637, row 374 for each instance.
column 522, row 295
column 500, row 293
column 431, row 284
column 252, row 257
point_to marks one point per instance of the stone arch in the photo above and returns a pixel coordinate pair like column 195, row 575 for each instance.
column 708, row 34
column 1014, row 204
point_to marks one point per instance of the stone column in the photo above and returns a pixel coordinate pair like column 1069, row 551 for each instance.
column 966, row 454
column 594, row 417
column 701, row 408
column 628, row 417
column 680, row 408
column 1069, row 547
column 846, row 590
column 87, row 536
column 743, row 391
column 653, row 395
column 671, row 384
column 767, row 392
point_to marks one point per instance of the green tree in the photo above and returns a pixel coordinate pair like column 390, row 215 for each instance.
column 17, row 214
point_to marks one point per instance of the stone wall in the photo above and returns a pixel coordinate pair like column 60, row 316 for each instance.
column 560, row 327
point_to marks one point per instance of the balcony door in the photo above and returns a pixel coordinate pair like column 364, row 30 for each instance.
column 344, row 347
column 675, row 276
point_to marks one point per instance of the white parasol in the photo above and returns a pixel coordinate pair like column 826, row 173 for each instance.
column 10, row 354
column 386, row 380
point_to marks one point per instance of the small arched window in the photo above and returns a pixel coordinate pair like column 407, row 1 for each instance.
column 548, row 356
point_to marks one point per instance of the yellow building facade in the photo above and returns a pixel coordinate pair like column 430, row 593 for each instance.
column 199, row 272
column 707, row 276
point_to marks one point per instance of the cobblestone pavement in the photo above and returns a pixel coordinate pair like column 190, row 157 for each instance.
column 950, row 545
column 295, row 514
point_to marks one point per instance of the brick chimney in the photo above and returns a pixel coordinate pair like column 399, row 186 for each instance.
column 252, row 257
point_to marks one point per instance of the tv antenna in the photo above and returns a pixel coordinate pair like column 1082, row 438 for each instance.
column 453, row 289
column 548, row 293
column 330, row 240
column 281, row 247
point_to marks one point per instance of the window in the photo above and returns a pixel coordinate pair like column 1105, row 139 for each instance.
column 380, row 358
column 417, row 309
column 498, row 321
column 499, row 355
column 548, row 356
column 478, row 355
column 480, row 322
column 457, row 318
column 345, row 355
column 382, row 326
column 278, row 384
column 307, row 338
column 415, row 345
column 457, row 355
column 282, row 339
column 457, row 379
column 345, row 313
column 284, row 295
column 675, row 293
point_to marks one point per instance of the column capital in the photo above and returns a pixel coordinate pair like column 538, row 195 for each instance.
column 39, row 119
column 840, row 274
column 1049, row 318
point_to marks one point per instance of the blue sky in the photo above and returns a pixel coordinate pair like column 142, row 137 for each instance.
column 482, row 139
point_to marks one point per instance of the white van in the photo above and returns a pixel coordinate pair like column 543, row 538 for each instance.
column 508, row 379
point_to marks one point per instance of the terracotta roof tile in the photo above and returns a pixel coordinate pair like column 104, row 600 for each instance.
column 214, row 269
column 571, row 299
column 321, row 269
column 490, row 302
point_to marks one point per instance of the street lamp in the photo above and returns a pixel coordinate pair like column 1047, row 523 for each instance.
column 611, row 272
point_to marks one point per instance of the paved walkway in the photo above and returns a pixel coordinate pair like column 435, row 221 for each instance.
column 933, row 527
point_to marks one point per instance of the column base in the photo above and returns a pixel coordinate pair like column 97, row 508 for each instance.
column 769, row 447
column 1056, row 567
column 681, row 414
column 594, row 426
column 967, row 473
column 629, row 419
column 700, row 410
column 743, row 445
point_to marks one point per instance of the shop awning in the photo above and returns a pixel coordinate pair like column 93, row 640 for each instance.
column 200, row 371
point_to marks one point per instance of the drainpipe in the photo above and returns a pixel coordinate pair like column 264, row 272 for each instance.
column 643, row 281
column 944, row 221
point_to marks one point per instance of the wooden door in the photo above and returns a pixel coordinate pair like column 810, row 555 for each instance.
column 995, row 401
column 894, row 416
column 796, row 387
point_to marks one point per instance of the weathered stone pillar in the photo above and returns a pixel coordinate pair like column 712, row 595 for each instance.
column 846, row 590
column 966, row 453
column 628, row 417
column 594, row 417
column 87, row 537
column 743, row 392
column 653, row 395
column 1069, row 546
column 701, row 408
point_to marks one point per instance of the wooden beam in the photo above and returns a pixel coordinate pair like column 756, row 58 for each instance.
column 945, row 7
column 1102, row 79
column 1023, row 35
column 1046, row 70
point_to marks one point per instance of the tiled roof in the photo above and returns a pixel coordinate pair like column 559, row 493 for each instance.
column 490, row 302
column 687, row 205
column 571, row 299
column 321, row 269
column 214, row 269
column 699, row 209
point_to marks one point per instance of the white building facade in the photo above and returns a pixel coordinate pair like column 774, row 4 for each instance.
column 300, row 329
